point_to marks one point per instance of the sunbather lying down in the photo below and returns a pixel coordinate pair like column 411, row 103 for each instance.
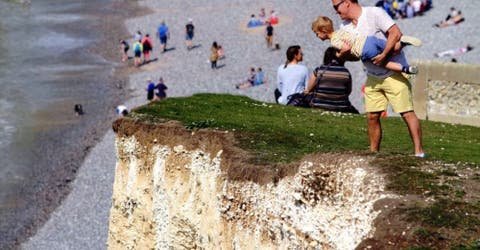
column 454, row 52
column 454, row 20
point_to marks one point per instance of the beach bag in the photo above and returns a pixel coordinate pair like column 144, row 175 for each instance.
column 300, row 100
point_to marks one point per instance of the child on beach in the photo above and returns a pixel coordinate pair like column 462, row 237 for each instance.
column 125, row 47
column 364, row 48
column 150, row 89
column 137, row 49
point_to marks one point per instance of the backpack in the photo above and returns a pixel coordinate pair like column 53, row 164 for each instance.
column 138, row 47
column 146, row 45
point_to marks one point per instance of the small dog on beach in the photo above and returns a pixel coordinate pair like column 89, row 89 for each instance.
column 78, row 109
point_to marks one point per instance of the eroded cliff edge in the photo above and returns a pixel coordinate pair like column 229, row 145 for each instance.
column 178, row 189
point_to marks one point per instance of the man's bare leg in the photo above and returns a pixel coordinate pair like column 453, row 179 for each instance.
column 374, row 130
column 415, row 130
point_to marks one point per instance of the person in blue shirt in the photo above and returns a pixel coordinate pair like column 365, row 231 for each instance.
column 150, row 89
column 163, row 35
column 259, row 79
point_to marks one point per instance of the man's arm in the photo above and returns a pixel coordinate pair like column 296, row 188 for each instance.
column 393, row 36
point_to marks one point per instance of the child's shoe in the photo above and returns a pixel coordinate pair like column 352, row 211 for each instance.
column 411, row 70
column 410, row 40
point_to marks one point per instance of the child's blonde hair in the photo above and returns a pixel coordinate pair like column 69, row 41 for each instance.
column 322, row 24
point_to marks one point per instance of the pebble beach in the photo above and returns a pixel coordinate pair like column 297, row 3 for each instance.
column 81, row 221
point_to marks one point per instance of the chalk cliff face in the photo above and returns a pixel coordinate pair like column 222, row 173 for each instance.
column 180, row 189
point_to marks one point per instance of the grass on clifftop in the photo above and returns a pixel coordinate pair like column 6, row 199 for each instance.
column 440, row 201
column 280, row 134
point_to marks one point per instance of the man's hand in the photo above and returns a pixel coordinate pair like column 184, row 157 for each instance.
column 380, row 59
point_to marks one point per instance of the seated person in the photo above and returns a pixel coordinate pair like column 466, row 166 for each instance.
column 364, row 48
column 250, row 80
column 254, row 22
column 331, row 84
column 273, row 19
column 259, row 79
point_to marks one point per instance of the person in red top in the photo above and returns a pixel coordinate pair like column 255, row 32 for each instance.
column 147, row 47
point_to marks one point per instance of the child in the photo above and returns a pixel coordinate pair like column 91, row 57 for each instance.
column 365, row 48
column 125, row 47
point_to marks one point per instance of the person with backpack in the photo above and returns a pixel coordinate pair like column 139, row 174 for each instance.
column 137, row 49
column 331, row 84
column 163, row 35
column 147, row 47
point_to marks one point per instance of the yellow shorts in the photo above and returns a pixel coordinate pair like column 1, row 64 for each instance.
column 395, row 90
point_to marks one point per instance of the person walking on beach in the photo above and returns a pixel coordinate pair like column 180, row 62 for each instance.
column 214, row 55
column 189, row 32
column 163, row 34
column 383, row 86
column 137, row 49
column 124, row 47
column 269, row 35
column 363, row 47
column 292, row 77
column 147, row 47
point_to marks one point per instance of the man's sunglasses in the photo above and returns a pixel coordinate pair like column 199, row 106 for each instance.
column 336, row 6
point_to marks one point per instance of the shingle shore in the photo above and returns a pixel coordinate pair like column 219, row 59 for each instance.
column 81, row 222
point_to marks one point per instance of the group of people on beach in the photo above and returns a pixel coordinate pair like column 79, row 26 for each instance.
column 368, row 34
column 255, row 78
column 263, row 19
column 144, row 44
column 398, row 9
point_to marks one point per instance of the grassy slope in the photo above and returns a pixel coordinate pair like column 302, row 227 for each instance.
column 443, row 211
column 281, row 134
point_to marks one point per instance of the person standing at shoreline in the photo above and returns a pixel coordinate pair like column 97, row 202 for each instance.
column 292, row 77
column 189, row 33
column 383, row 86
column 163, row 34
column 125, row 47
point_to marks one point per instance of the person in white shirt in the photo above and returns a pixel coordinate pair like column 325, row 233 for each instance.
column 383, row 86
column 291, row 77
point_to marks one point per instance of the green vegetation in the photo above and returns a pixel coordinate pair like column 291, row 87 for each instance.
column 280, row 134
column 276, row 134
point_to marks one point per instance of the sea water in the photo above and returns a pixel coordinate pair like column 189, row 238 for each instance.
column 44, row 71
